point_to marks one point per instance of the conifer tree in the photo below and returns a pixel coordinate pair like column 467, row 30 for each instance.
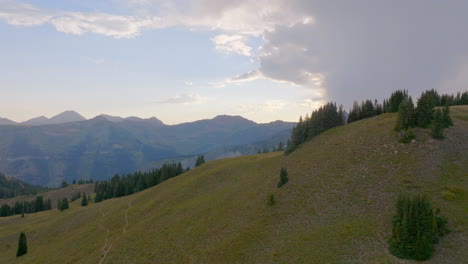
column 447, row 120
column 405, row 118
column 438, row 125
column 200, row 160
column 22, row 245
column 416, row 227
column 84, row 200
column 425, row 108
column 63, row 204
column 283, row 177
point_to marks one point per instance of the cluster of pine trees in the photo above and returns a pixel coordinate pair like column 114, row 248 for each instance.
column 326, row 117
column 119, row 186
column 416, row 227
column 63, row 204
column 365, row 110
column 200, row 160
column 26, row 207
column 81, row 181
column 368, row 109
column 425, row 114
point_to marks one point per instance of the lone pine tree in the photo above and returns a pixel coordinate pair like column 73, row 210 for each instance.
column 84, row 200
column 283, row 177
column 22, row 245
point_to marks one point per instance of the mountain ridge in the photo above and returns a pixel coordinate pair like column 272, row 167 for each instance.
column 99, row 148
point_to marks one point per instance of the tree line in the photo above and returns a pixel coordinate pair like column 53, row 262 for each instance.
column 122, row 185
column 26, row 207
column 329, row 116
column 326, row 117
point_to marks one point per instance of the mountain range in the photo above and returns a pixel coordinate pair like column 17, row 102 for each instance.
column 46, row 151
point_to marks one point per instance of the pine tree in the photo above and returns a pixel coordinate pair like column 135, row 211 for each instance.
column 416, row 227
column 200, row 160
column 405, row 118
column 84, row 200
column 425, row 108
column 447, row 120
column 438, row 125
column 391, row 105
column 22, row 245
column 283, row 177
column 63, row 204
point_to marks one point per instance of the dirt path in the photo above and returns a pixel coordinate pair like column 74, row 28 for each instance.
column 126, row 217
column 105, row 248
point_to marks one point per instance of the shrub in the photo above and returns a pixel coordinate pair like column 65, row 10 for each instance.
column 406, row 136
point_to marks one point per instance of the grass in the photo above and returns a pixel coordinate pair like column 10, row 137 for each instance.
column 336, row 208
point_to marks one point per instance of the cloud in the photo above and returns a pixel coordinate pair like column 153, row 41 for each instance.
column 185, row 98
column 232, row 44
column 341, row 51
column 249, row 76
column 79, row 23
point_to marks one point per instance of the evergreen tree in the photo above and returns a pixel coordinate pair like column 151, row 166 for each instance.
column 283, row 177
column 405, row 118
column 200, row 160
column 447, row 120
column 22, row 245
column 416, row 227
column 438, row 125
column 63, row 204
column 84, row 200
column 391, row 105
column 425, row 108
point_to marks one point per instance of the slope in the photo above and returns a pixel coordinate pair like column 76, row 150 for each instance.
column 336, row 208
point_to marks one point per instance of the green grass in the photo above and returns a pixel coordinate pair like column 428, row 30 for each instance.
column 336, row 207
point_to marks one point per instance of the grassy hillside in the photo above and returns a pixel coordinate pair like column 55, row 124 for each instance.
column 336, row 208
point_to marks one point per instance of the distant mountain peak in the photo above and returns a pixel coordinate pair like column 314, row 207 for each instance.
column 65, row 117
column 232, row 119
column 36, row 121
column 5, row 121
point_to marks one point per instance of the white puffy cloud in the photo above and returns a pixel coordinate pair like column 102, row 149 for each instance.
column 232, row 44
column 185, row 98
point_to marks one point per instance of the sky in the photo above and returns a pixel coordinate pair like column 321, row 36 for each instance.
column 185, row 60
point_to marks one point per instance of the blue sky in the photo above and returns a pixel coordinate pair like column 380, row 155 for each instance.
column 187, row 60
